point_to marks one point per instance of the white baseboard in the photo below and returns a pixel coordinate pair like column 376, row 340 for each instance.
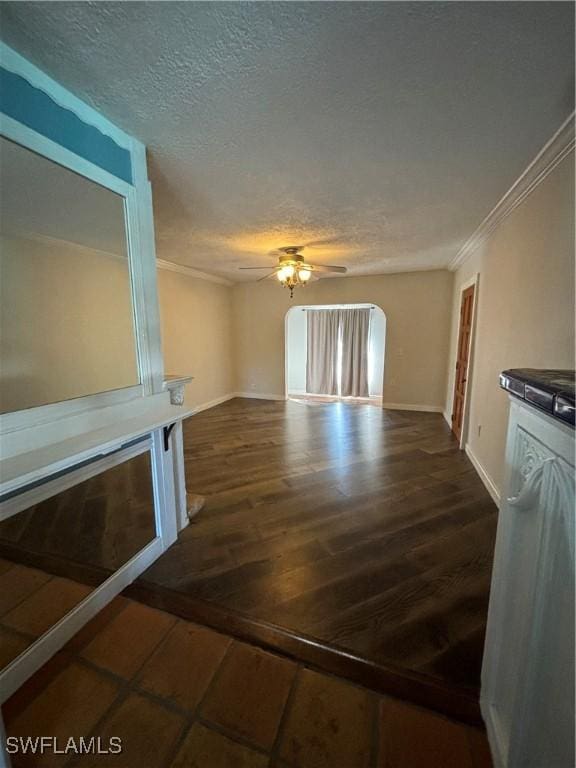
column 259, row 395
column 224, row 398
column 212, row 403
column 409, row 407
column 447, row 418
column 484, row 476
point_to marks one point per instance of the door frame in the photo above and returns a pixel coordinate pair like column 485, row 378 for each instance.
column 473, row 281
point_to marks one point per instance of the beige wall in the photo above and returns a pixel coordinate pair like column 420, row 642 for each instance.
column 525, row 313
column 196, row 317
column 418, row 314
column 66, row 323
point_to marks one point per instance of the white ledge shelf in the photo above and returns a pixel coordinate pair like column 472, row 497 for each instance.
column 120, row 427
column 176, row 385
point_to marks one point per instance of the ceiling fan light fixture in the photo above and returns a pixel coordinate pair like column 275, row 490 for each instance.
column 293, row 271
column 286, row 272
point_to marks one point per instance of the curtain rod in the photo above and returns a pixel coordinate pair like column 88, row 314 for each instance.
column 321, row 309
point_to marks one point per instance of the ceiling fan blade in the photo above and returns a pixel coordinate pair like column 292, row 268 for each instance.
column 267, row 267
column 272, row 274
column 327, row 241
column 327, row 268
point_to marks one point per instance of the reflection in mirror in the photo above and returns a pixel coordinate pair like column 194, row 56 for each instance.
column 53, row 554
column 66, row 324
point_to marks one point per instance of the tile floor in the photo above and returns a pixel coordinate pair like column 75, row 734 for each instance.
column 181, row 695
column 31, row 601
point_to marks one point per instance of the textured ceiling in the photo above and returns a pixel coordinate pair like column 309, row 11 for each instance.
column 382, row 132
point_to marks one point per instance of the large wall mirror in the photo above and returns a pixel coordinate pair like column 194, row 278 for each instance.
column 57, row 550
column 66, row 315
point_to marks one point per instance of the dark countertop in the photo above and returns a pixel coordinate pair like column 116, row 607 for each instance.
column 549, row 390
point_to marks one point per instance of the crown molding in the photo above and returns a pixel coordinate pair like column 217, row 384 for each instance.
column 551, row 154
column 183, row 270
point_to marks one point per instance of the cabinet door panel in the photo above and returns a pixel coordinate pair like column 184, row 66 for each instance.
column 544, row 722
column 514, row 581
column 528, row 670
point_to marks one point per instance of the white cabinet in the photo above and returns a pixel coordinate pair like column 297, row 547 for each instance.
column 527, row 692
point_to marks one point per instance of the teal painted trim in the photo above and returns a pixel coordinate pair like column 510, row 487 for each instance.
column 35, row 109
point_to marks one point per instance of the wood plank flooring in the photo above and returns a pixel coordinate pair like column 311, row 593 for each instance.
column 362, row 528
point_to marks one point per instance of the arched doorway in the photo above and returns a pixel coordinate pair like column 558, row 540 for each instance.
column 296, row 338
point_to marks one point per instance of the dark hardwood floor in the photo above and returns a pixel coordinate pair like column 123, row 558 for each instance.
column 364, row 529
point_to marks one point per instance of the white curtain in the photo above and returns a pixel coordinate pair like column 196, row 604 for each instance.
column 322, row 352
column 331, row 331
column 354, row 329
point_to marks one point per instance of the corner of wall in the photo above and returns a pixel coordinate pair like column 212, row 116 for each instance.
column 489, row 484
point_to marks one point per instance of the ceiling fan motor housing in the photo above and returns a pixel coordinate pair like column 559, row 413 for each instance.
column 291, row 253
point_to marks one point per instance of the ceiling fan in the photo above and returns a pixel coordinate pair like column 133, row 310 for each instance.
column 292, row 270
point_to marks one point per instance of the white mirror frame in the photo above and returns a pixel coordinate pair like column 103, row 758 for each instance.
column 142, row 264
column 139, row 234
column 44, row 647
